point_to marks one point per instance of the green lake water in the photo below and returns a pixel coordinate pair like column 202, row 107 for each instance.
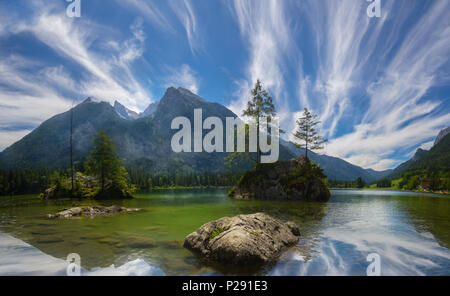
column 410, row 232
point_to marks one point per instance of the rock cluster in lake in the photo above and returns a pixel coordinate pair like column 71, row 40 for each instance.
column 295, row 179
column 244, row 239
column 90, row 211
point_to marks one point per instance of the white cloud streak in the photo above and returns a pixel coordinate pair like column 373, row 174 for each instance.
column 25, row 100
column 106, row 79
column 397, row 116
column 264, row 28
column 353, row 54
column 150, row 11
column 186, row 15
column 184, row 77
column 105, row 74
column 372, row 74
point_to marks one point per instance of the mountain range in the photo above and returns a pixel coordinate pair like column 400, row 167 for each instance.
column 143, row 139
column 435, row 159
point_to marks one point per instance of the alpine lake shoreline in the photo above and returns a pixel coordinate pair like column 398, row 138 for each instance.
column 167, row 217
column 243, row 240
column 249, row 242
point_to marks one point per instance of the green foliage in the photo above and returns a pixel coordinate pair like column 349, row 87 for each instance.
column 412, row 183
column 432, row 171
column 255, row 175
column 103, row 161
column 426, row 180
column 215, row 233
column 360, row 183
column 384, row 183
column 104, row 164
column 260, row 105
column 106, row 179
column 16, row 182
column 232, row 191
column 146, row 181
column 35, row 181
column 307, row 133
column 436, row 160
column 234, row 159
column 303, row 174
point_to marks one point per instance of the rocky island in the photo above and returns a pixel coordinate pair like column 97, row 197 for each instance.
column 105, row 177
column 90, row 211
column 243, row 240
column 295, row 179
column 86, row 187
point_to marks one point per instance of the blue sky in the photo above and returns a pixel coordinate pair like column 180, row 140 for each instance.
column 380, row 85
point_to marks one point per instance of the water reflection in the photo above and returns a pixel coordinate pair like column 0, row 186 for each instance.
column 409, row 232
column 365, row 223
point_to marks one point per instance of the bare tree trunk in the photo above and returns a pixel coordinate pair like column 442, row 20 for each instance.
column 71, row 150
column 258, row 151
column 306, row 150
column 103, row 178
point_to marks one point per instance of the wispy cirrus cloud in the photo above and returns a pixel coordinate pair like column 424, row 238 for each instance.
column 26, row 83
column 182, row 11
column 380, row 86
column 264, row 27
column 185, row 13
column 365, row 70
column 25, row 101
column 106, row 73
column 397, row 116
column 151, row 11
column 183, row 76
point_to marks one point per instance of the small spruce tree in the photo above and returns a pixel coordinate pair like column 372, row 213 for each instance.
column 104, row 163
column 308, row 133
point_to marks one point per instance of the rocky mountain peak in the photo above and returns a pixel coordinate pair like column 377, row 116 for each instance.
column 118, row 105
column 124, row 112
column 441, row 135
column 150, row 109
column 87, row 100
column 188, row 93
column 180, row 95
column 92, row 100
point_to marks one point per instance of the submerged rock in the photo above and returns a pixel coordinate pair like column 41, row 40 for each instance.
column 101, row 210
column 90, row 211
column 295, row 179
column 244, row 239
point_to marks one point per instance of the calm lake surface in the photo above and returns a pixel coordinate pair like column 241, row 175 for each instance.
column 409, row 231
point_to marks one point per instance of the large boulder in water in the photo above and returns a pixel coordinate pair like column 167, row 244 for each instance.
column 295, row 179
column 244, row 239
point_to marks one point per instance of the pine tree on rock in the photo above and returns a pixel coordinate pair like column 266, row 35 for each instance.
column 260, row 105
column 308, row 133
column 103, row 161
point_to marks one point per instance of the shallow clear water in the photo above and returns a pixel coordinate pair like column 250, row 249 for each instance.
column 410, row 232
